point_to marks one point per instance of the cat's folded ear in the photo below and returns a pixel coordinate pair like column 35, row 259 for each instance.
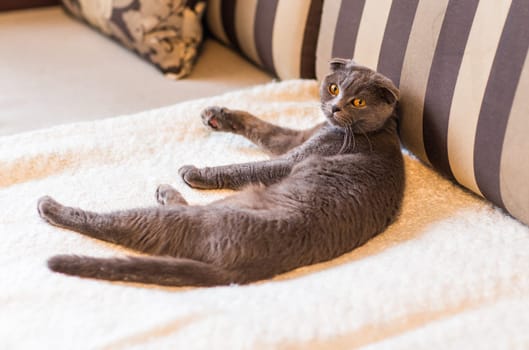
column 388, row 90
column 338, row 63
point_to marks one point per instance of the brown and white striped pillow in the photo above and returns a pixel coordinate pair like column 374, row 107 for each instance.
column 463, row 71
column 278, row 35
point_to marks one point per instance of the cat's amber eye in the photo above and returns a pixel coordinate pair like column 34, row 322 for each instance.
column 334, row 89
column 359, row 102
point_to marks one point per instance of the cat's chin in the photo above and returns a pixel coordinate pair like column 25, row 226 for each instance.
column 354, row 127
column 358, row 127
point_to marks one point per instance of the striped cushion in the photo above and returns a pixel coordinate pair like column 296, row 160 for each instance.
column 463, row 71
column 278, row 35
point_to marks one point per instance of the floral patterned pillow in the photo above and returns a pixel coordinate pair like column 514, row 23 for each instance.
column 168, row 33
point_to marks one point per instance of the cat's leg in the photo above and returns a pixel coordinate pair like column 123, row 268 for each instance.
column 272, row 138
column 236, row 176
column 169, row 196
column 148, row 230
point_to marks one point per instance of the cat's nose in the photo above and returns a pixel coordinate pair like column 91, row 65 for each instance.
column 335, row 109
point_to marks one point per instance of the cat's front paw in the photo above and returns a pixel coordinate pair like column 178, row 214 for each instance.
column 49, row 210
column 193, row 177
column 220, row 119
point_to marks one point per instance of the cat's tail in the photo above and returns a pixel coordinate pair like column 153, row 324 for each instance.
column 152, row 270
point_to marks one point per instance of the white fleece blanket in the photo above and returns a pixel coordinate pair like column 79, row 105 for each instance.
column 452, row 272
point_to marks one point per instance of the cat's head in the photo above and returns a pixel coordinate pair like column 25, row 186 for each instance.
column 356, row 97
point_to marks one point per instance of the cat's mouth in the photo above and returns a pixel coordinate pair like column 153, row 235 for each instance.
column 355, row 126
column 338, row 119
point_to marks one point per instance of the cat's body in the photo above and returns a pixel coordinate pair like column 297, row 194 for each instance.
column 329, row 190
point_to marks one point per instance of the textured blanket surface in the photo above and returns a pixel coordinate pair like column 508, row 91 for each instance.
column 452, row 272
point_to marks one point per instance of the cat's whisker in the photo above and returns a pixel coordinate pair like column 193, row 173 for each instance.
column 345, row 142
column 354, row 138
column 348, row 137
column 367, row 138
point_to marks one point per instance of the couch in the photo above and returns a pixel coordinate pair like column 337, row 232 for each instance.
column 56, row 70
column 92, row 125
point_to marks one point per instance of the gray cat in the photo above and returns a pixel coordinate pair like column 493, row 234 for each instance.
column 326, row 191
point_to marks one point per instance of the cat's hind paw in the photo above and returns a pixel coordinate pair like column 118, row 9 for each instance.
column 59, row 215
column 167, row 195
column 49, row 209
